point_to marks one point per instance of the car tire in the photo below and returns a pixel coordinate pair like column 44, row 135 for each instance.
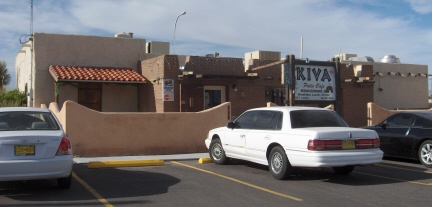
column 64, row 183
column 425, row 153
column 279, row 166
column 345, row 170
column 217, row 153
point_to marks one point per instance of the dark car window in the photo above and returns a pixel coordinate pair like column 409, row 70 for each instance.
column 246, row 120
column 316, row 118
column 280, row 121
column 27, row 120
column 268, row 120
column 418, row 123
column 400, row 120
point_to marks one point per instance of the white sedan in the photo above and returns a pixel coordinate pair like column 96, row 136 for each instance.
column 287, row 137
column 33, row 146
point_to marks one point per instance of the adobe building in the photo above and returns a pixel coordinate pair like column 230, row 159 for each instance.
column 126, row 74
column 93, row 71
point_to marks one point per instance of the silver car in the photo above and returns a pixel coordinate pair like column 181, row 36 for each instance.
column 34, row 146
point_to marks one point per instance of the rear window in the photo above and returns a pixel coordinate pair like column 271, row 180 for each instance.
column 316, row 118
column 26, row 120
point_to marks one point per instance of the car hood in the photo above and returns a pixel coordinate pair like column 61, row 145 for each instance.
column 224, row 128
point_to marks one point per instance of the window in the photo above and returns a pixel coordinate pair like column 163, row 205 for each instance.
column 26, row 120
column 90, row 95
column 246, row 120
column 316, row 118
column 401, row 120
column 270, row 120
column 418, row 123
column 275, row 95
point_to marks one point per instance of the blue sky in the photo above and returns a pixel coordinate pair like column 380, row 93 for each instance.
column 232, row 28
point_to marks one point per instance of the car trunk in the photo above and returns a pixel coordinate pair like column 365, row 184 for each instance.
column 29, row 145
column 341, row 133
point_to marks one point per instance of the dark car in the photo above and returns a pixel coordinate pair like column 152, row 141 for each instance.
column 407, row 135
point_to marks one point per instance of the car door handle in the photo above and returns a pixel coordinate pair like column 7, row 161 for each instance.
column 242, row 136
column 267, row 137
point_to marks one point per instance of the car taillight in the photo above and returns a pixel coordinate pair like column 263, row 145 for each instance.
column 317, row 145
column 64, row 147
column 325, row 145
column 367, row 143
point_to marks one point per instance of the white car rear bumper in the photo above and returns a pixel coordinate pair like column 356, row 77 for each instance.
column 334, row 158
column 57, row 167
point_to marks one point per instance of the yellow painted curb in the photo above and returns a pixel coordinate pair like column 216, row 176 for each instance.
column 125, row 163
column 204, row 160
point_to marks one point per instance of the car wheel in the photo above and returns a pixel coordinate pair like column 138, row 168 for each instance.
column 217, row 153
column 279, row 165
column 345, row 170
column 425, row 153
column 64, row 183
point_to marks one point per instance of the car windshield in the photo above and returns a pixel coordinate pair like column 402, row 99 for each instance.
column 27, row 120
column 316, row 118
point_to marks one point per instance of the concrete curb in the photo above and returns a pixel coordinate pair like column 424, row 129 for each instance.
column 205, row 160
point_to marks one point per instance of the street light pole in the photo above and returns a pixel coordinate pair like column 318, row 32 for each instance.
column 175, row 26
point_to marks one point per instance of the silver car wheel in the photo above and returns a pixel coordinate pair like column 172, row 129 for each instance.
column 217, row 151
column 426, row 153
column 277, row 163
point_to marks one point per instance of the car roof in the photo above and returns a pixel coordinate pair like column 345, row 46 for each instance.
column 10, row 109
column 289, row 108
column 425, row 114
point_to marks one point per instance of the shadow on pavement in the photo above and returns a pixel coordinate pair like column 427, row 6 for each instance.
column 111, row 183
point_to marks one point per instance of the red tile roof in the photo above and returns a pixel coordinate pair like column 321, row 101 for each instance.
column 95, row 74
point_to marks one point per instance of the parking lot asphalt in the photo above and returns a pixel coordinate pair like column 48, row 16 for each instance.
column 135, row 161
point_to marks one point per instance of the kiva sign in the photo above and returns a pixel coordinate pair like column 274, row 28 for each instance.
column 315, row 83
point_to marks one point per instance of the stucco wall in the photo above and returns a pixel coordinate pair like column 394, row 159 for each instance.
column 355, row 96
column 377, row 114
column 117, row 134
column 113, row 94
column 22, row 62
column 68, row 92
column 398, row 91
column 80, row 50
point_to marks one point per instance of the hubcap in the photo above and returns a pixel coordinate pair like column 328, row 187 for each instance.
column 426, row 154
column 217, row 151
column 276, row 163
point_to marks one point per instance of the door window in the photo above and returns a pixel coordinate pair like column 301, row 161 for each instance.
column 401, row 120
column 268, row 120
column 90, row 95
column 246, row 120
column 213, row 96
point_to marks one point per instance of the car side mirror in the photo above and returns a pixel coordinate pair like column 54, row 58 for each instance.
column 231, row 125
column 384, row 126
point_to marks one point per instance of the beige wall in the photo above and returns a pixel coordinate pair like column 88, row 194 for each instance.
column 68, row 93
column 261, row 55
column 76, row 50
column 119, row 97
column 23, row 72
column 398, row 92
column 118, row 134
column 377, row 114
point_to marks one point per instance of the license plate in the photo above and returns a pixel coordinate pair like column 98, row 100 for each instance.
column 348, row 144
column 24, row 150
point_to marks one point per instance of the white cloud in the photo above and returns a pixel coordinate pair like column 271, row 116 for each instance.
column 231, row 28
column 421, row 6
